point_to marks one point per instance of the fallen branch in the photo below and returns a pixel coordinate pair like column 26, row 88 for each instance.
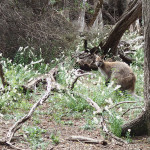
column 30, row 86
column 50, row 81
column 93, row 104
column 77, row 77
column 130, row 109
column 121, row 103
column 36, row 62
column 87, row 140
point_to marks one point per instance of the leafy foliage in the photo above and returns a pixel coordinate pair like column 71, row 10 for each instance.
column 115, row 124
column 55, row 138
column 34, row 137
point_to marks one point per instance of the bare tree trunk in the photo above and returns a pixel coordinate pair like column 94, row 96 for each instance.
column 137, row 126
column 141, row 125
column 81, row 19
column 4, row 82
column 146, row 12
column 121, row 26
column 95, row 15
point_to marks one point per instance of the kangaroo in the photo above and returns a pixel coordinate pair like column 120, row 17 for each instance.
column 119, row 72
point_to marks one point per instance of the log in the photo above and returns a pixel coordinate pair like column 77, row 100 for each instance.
column 31, row 85
column 87, row 140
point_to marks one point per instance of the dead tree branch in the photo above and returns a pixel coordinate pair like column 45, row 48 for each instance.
column 93, row 104
column 126, row 58
column 87, row 140
column 77, row 77
column 121, row 103
column 131, row 109
column 30, row 86
column 50, row 81
column 108, row 16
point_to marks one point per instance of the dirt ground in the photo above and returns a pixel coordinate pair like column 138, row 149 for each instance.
column 138, row 143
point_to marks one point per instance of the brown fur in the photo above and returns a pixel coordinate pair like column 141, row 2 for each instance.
column 119, row 72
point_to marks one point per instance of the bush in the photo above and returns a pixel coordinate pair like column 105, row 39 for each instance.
column 33, row 25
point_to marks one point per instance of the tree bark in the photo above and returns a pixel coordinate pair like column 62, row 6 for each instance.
column 141, row 125
column 81, row 18
column 97, row 9
column 110, row 45
column 146, row 12
column 137, row 126
column 108, row 16
column 4, row 82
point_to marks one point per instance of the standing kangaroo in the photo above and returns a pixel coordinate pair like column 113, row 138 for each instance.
column 119, row 72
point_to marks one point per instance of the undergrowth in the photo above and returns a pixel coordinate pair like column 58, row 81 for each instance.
column 27, row 66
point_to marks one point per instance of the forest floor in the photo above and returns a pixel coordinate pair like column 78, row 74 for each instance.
column 65, row 131
column 57, row 119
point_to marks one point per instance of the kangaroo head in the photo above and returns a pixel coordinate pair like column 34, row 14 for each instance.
column 98, row 61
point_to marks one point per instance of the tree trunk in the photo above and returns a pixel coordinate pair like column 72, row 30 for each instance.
column 146, row 12
column 141, row 125
column 97, row 10
column 81, row 19
column 137, row 126
column 4, row 82
column 110, row 45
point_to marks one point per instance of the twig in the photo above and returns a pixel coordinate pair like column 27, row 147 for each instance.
column 130, row 109
column 108, row 133
column 36, row 62
column 87, row 140
column 121, row 103
column 77, row 77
